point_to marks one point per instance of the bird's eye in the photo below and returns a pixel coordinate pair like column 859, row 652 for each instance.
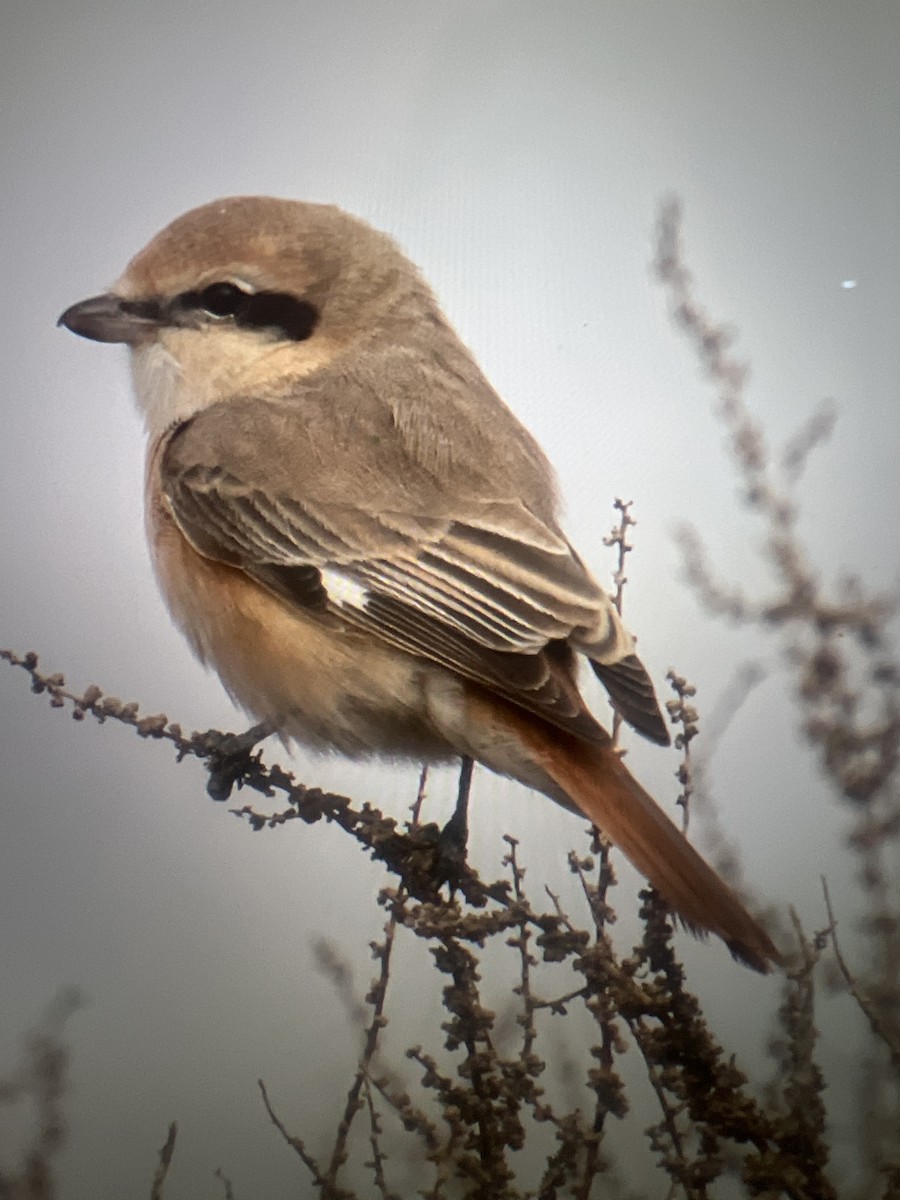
column 276, row 314
column 222, row 299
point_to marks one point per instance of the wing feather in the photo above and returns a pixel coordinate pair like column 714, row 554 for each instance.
column 456, row 570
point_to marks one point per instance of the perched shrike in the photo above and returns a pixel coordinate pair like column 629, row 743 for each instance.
column 348, row 523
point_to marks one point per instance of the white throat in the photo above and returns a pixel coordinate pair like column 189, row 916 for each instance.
column 163, row 395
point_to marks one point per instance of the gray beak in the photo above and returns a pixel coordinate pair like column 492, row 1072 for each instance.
column 109, row 318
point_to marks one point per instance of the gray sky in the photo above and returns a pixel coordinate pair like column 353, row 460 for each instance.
column 518, row 152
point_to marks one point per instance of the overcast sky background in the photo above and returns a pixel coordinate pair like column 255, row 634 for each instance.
column 518, row 151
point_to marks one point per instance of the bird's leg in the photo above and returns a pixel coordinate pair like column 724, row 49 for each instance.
column 229, row 756
column 455, row 833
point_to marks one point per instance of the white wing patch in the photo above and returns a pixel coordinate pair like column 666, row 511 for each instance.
column 343, row 591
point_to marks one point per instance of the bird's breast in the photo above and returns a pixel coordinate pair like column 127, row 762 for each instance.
column 325, row 686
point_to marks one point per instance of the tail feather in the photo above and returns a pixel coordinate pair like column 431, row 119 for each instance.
column 595, row 780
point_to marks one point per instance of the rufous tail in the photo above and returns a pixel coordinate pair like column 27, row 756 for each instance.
column 595, row 780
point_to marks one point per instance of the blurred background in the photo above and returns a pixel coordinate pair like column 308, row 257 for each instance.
column 519, row 153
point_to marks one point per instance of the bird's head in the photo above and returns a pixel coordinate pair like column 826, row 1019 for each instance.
column 246, row 293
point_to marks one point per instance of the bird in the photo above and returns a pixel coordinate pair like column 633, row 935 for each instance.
column 354, row 530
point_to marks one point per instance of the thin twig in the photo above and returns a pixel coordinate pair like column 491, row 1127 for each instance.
column 165, row 1161
column 865, row 1004
column 300, row 1150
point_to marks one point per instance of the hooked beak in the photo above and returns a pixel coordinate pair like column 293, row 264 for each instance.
column 109, row 318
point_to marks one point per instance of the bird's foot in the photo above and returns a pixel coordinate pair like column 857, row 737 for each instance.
column 230, row 757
